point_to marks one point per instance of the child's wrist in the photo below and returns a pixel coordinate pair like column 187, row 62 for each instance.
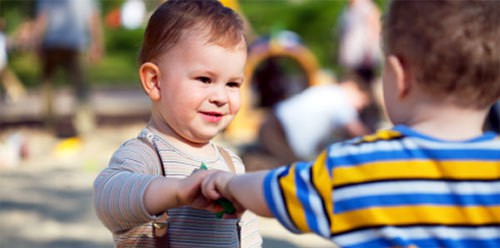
column 227, row 187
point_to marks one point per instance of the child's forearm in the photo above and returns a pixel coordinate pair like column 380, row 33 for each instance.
column 165, row 193
column 161, row 195
column 247, row 190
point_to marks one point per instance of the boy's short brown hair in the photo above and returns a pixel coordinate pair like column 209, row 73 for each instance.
column 451, row 47
column 173, row 17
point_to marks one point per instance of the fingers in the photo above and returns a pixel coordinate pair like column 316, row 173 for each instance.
column 208, row 188
column 203, row 189
column 207, row 185
column 189, row 188
column 214, row 185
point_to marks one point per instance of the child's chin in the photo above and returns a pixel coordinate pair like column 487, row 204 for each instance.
column 206, row 137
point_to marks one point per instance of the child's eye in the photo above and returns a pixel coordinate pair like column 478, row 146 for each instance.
column 234, row 84
column 205, row 80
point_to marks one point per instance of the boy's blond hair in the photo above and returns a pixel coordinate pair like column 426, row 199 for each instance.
column 450, row 47
column 223, row 26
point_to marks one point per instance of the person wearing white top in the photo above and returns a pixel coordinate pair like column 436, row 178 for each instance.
column 298, row 126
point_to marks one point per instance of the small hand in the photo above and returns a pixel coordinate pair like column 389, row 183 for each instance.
column 214, row 187
column 227, row 206
column 189, row 192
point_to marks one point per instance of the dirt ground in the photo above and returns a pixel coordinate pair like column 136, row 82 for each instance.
column 46, row 199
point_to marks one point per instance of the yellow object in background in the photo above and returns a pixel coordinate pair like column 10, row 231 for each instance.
column 233, row 4
column 67, row 147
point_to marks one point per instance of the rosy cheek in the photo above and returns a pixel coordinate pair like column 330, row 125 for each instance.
column 235, row 108
column 234, row 102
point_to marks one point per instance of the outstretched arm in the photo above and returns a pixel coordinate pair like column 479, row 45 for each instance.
column 245, row 191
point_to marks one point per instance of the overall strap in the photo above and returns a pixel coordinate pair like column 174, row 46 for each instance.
column 160, row 225
column 232, row 168
column 227, row 159
column 150, row 144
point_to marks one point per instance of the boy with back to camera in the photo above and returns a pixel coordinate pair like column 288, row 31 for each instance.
column 192, row 62
column 433, row 180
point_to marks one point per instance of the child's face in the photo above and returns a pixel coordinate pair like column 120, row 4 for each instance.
column 200, row 86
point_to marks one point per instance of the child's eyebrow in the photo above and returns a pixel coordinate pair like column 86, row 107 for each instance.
column 238, row 79
column 204, row 72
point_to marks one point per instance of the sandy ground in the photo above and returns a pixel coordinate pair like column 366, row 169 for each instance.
column 46, row 199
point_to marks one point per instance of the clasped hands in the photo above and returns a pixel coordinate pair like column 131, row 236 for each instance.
column 203, row 189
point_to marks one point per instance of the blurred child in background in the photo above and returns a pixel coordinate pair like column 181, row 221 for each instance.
column 298, row 127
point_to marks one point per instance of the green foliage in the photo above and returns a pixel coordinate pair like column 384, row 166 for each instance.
column 14, row 12
column 122, row 40
column 25, row 65
column 119, row 68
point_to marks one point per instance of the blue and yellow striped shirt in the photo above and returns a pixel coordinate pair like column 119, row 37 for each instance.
column 396, row 188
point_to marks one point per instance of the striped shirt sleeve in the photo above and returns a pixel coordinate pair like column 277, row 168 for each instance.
column 300, row 196
column 119, row 189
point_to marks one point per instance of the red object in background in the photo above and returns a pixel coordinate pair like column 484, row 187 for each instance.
column 113, row 18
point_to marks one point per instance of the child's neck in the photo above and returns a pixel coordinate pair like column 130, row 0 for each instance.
column 447, row 122
column 182, row 144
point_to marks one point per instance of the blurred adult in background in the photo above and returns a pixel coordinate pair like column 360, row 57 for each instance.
column 359, row 39
column 65, row 30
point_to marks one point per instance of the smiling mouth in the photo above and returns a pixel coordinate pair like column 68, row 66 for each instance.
column 213, row 117
column 212, row 114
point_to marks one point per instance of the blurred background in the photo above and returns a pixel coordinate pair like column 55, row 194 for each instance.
column 316, row 21
column 58, row 130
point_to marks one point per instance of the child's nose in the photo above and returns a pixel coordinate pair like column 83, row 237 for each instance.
column 218, row 96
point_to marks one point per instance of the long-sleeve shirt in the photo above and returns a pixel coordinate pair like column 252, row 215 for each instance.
column 119, row 192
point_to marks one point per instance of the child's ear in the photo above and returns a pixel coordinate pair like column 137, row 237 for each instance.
column 149, row 74
column 401, row 76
